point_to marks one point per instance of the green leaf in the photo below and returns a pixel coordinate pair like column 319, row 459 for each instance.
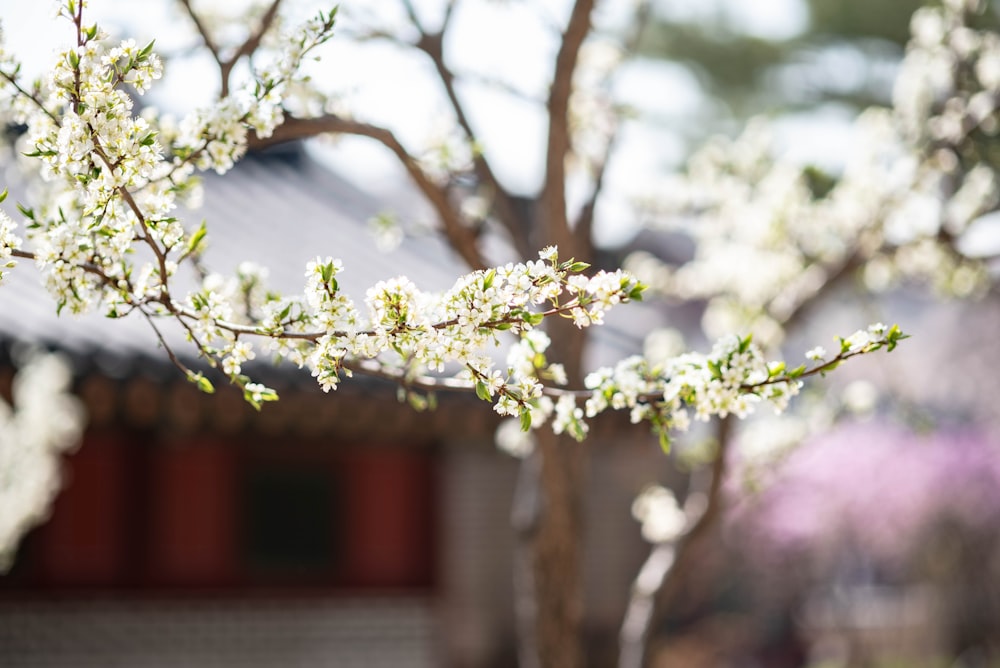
column 284, row 312
column 3, row 195
column 482, row 391
column 488, row 278
column 202, row 383
column 635, row 294
column 533, row 319
column 577, row 267
column 525, row 419
column 893, row 337
column 195, row 242
column 417, row 402
column 663, row 435
column 262, row 395
column 797, row 371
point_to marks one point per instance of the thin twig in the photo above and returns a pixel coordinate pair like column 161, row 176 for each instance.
column 206, row 36
column 432, row 44
column 163, row 342
column 666, row 564
column 584, row 225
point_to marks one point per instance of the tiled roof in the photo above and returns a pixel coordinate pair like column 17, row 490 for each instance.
column 279, row 210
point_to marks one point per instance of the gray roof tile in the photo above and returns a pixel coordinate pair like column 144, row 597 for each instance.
column 279, row 210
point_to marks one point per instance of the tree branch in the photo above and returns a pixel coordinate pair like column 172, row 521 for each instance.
column 252, row 42
column 584, row 225
column 554, row 218
column 835, row 277
column 247, row 48
column 411, row 13
column 206, row 37
column 669, row 561
column 460, row 236
column 432, row 44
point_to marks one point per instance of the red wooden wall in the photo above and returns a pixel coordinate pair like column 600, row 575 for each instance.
column 140, row 514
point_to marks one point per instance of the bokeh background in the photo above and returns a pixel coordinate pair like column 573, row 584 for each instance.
column 860, row 528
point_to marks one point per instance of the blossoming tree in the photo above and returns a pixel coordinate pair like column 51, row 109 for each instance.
column 108, row 233
column 899, row 212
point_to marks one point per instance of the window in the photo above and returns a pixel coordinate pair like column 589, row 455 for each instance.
column 290, row 521
column 211, row 513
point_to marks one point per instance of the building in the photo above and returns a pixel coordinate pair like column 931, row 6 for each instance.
column 342, row 529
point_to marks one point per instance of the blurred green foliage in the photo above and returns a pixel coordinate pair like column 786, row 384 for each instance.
column 887, row 20
column 748, row 74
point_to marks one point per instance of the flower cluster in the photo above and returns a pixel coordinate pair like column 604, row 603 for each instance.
column 771, row 233
column 826, row 494
column 401, row 331
column 9, row 242
column 47, row 422
column 107, row 235
column 947, row 89
column 732, row 379
column 215, row 137
column 103, row 232
column 411, row 333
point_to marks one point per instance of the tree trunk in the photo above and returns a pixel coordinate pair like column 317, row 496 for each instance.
column 547, row 517
column 557, row 558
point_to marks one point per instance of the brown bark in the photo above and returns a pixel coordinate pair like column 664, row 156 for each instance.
column 550, row 530
column 556, row 540
column 557, row 558
column 432, row 44
column 247, row 48
column 461, row 237
column 549, row 526
column 555, row 226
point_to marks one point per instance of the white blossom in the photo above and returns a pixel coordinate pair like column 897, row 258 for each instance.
column 513, row 440
column 661, row 517
column 44, row 423
column 9, row 242
column 107, row 235
column 816, row 354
